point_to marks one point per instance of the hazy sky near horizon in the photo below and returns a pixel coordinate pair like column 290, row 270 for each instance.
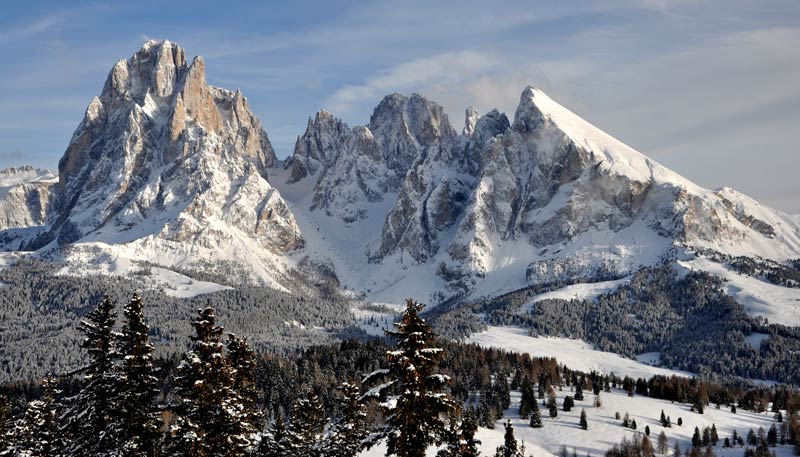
column 708, row 88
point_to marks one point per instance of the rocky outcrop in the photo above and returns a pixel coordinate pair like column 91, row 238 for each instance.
column 25, row 196
column 163, row 152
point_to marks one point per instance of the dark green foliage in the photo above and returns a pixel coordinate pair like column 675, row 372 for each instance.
column 583, row 423
column 684, row 317
column 207, row 406
column 415, row 421
column 92, row 412
column 137, row 386
column 510, row 447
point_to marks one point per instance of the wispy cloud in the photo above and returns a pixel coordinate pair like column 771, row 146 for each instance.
column 30, row 29
column 444, row 70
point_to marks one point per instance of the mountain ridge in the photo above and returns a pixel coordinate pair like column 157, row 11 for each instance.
column 169, row 170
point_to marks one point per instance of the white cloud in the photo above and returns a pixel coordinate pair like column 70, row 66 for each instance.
column 443, row 70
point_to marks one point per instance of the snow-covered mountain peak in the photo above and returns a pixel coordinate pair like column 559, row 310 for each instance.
column 166, row 168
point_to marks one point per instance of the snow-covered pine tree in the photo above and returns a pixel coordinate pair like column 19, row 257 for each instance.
column 203, row 387
column 303, row 435
column 241, row 404
column 510, row 447
column 347, row 434
column 461, row 440
column 93, row 408
column 415, row 420
column 137, row 427
column 273, row 441
column 36, row 434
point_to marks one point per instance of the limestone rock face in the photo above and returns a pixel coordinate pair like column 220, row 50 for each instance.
column 25, row 196
column 161, row 153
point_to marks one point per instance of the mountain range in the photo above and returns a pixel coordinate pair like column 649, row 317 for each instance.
column 167, row 170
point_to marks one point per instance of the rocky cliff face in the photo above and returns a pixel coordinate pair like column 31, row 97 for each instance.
column 546, row 197
column 170, row 167
column 25, row 196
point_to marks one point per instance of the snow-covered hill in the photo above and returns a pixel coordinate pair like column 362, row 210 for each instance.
column 169, row 170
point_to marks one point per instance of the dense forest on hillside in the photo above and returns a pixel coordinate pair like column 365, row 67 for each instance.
column 686, row 317
column 40, row 309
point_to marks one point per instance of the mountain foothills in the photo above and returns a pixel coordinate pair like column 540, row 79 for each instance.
column 172, row 184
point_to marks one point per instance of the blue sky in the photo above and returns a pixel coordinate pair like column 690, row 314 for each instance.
column 709, row 88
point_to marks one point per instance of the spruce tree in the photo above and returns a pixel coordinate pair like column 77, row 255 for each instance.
column 536, row 415
column 204, row 391
column 273, row 442
column 36, row 434
column 416, row 419
column 138, row 422
column 304, row 432
column 244, row 394
column 584, row 424
column 461, row 441
column 579, row 390
column 346, row 436
column 568, row 404
column 93, row 410
column 510, row 447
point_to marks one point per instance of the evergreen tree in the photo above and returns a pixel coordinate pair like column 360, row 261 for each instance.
column 305, row 429
column 416, row 419
column 273, row 442
column 696, row 440
column 510, row 447
column 527, row 398
column 346, row 436
column 553, row 409
column 205, row 408
column 536, row 416
column 94, row 409
column 579, row 390
column 584, row 424
column 241, row 404
column 647, row 430
column 462, row 441
column 663, row 419
column 36, row 433
column 713, row 436
column 568, row 403
column 5, row 418
column 138, row 423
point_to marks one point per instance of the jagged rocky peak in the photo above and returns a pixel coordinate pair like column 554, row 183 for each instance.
column 163, row 152
column 319, row 145
column 470, row 119
column 406, row 126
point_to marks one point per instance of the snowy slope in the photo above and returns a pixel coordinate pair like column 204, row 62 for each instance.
column 604, row 430
column 575, row 354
